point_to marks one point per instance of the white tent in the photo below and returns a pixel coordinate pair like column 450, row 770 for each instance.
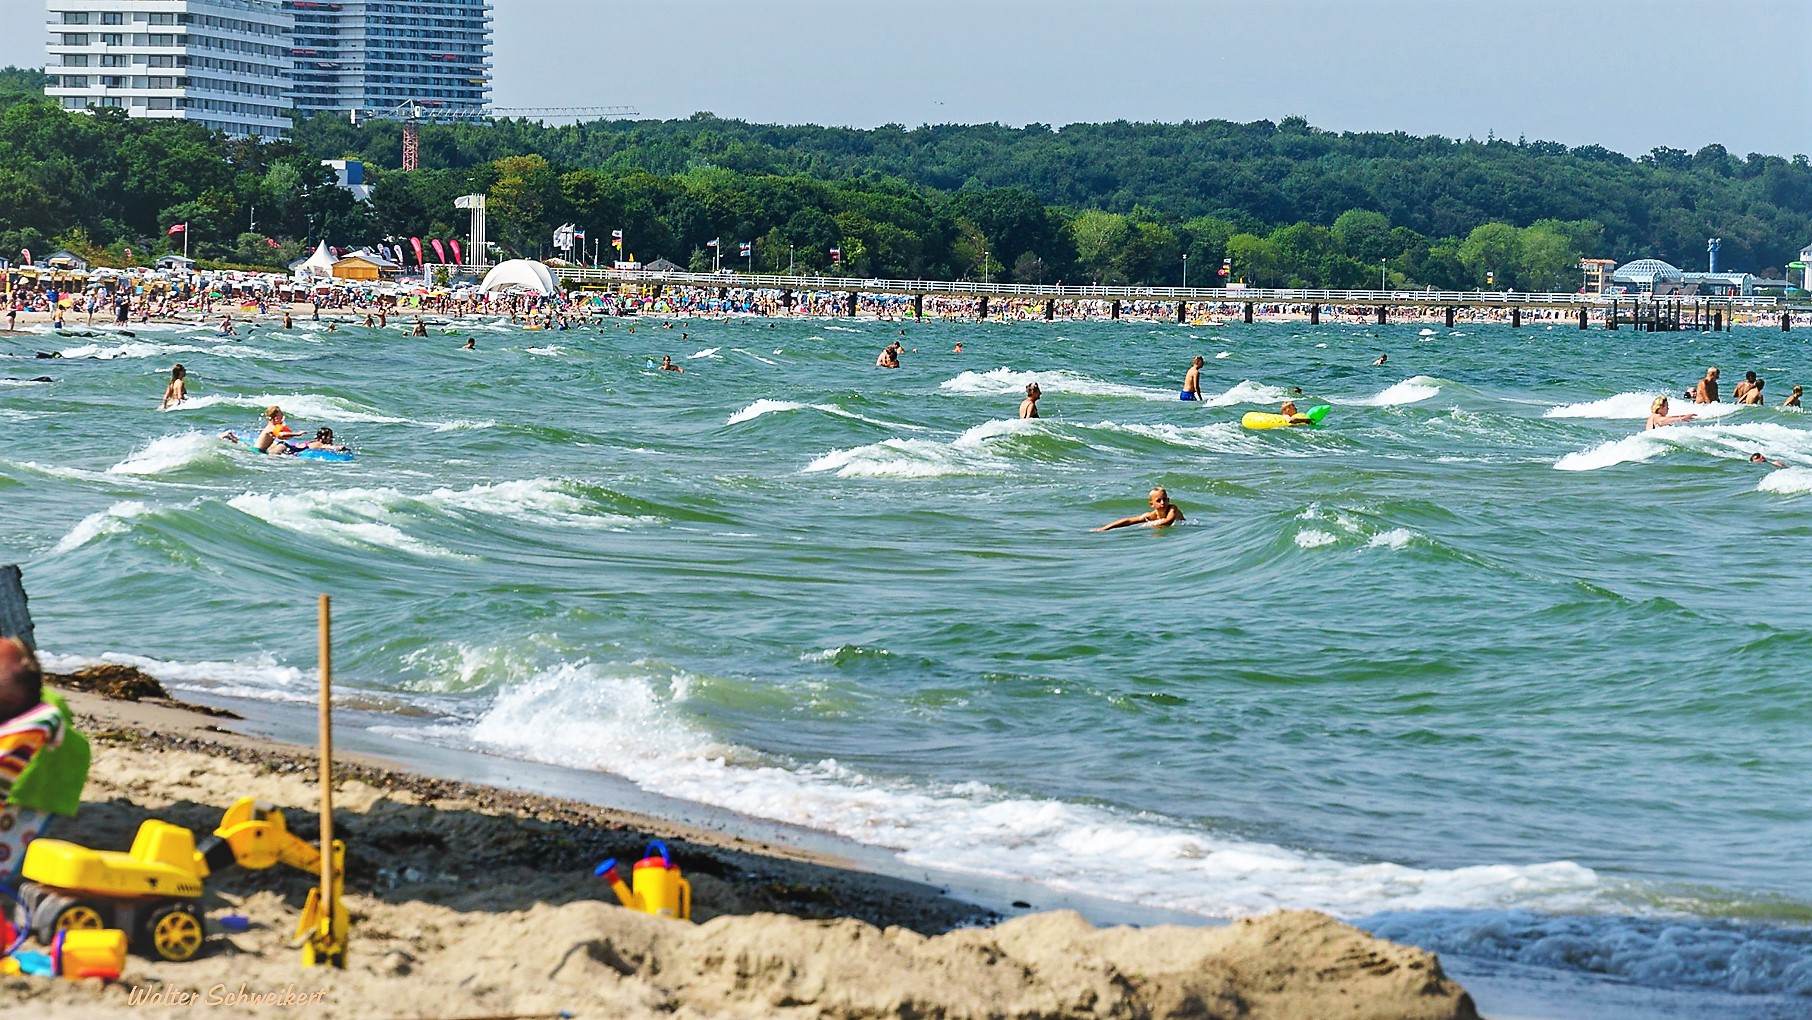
column 319, row 265
column 524, row 273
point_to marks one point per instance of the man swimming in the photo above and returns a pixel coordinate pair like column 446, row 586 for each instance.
column 1707, row 390
column 1756, row 458
column 1743, row 387
column 1163, row 514
column 1793, row 398
column 1192, row 380
column 890, row 356
column 1658, row 416
column 667, row 364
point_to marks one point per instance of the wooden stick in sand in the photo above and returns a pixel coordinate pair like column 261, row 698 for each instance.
column 328, row 901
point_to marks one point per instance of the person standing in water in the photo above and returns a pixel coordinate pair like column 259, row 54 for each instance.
column 1192, row 380
column 1707, row 390
column 1163, row 514
column 1658, row 416
column 1793, row 398
column 1028, row 408
column 178, row 390
column 1753, row 395
column 1382, row 358
column 667, row 364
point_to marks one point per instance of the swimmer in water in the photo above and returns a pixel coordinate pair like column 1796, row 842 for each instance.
column 1707, row 390
column 268, row 441
column 1743, row 387
column 323, row 441
column 178, row 390
column 1028, row 408
column 667, row 364
column 1753, row 395
column 421, row 328
column 1382, row 358
column 1163, row 514
column 1658, row 416
column 958, row 349
column 889, row 356
column 1793, row 398
column 1192, row 380
column 471, row 344
column 1288, row 410
column 1756, row 458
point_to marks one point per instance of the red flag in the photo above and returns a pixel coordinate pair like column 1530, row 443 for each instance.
column 417, row 242
column 440, row 253
column 458, row 257
column 179, row 228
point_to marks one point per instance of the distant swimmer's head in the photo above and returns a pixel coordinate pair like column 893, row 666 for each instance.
column 1749, row 376
column 1756, row 458
column 178, row 372
column 1712, row 372
column 1658, row 406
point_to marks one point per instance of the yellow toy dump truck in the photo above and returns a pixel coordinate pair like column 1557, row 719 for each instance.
column 151, row 891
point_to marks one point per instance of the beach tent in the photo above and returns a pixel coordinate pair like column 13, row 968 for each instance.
column 523, row 273
column 318, row 266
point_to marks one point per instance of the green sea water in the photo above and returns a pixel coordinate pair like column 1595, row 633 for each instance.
column 1477, row 662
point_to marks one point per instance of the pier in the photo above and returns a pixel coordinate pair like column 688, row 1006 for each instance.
column 1666, row 313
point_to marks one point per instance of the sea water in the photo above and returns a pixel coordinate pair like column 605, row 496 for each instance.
column 1478, row 663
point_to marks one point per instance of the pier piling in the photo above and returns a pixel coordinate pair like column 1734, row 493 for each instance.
column 1381, row 310
column 1113, row 311
column 1248, row 313
column 918, row 306
column 1182, row 311
column 852, row 304
column 1610, row 321
column 1314, row 315
column 1451, row 311
column 1582, row 319
column 1516, row 318
column 984, row 307
column 1786, row 321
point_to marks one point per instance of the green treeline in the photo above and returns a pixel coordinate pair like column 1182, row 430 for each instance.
column 1109, row 203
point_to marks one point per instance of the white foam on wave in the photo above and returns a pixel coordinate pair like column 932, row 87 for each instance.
column 112, row 521
column 843, row 329
column 296, row 405
column 550, row 350
column 147, row 349
column 1315, row 538
column 345, row 516
column 22, row 382
column 709, row 352
column 538, row 500
column 1410, row 391
column 1002, row 381
column 171, row 453
column 757, row 357
column 1726, row 442
column 631, row 721
column 262, row 679
column 766, row 406
column 1220, row 437
column 967, row 454
column 1794, row 481
column 1635, row 404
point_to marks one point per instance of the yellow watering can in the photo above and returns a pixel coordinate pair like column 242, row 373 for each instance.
column 658, row 890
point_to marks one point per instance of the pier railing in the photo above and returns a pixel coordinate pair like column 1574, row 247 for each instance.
column 1193, row 295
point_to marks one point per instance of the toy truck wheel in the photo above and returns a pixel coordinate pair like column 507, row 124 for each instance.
column 55, row 913
column 174, row 933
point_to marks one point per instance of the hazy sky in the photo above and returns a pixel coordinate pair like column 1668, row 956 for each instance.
column 1627, row 74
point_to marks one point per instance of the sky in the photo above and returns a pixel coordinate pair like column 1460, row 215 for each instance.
column 1626, row 74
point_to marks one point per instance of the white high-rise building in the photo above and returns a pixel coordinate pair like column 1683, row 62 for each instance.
column 377, row 54
column 224, row 63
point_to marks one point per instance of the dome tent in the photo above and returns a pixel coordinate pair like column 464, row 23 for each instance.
column 524, row 273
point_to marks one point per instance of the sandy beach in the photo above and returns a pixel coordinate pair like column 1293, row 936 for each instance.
column 469, row 900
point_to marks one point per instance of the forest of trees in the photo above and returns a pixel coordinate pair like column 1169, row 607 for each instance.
column 1291, row 205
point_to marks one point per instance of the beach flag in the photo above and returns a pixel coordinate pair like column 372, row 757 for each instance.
column 616, row 240
column 459, row 257
column 25, row 253
column 712, row 243
column 579, row 234
column 440, row 253
column 179, row 228
column 417, row 243
column 1226, row 266
column 745, row 249
column 837, row 255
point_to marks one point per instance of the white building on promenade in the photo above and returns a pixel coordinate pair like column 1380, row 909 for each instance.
column 224, row 63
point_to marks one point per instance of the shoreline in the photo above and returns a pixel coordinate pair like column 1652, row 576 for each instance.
column 470, row 898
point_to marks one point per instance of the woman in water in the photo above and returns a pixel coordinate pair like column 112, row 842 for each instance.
column 1028, row 408
column 1658, row 416
column 1793, row 398
column 177, row 391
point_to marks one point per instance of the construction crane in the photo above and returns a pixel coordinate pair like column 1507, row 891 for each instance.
column 412, row 112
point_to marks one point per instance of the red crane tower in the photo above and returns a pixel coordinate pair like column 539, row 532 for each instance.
column 412, row 112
